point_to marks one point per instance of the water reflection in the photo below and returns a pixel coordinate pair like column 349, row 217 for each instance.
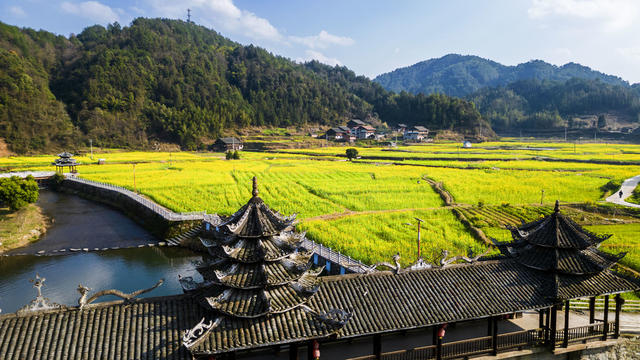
column 126, row 270
column 80, row 223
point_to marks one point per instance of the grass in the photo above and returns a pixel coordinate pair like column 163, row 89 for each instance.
column 376, row 237
column 17, row 228
column 377, row 197
column 626, row 238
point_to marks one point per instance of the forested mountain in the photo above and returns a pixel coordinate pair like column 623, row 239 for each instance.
column 458, row 75
column 174, row 81
column 530, row 104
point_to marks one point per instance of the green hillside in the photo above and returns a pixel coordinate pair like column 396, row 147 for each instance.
column 173, row 81
column 459, row 75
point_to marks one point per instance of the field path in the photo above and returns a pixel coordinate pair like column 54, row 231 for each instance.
column 627, row 189
column 339, row 215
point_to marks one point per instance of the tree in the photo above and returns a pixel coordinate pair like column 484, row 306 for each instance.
column 602, row 121
column 236, row 155
column 229, row 155
column 351, row 153
column 16, row 193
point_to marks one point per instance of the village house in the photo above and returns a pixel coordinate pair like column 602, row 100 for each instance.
column 401, row 128
column 416, row 134
column 354, row 123
column 364, row 132
column 227, row 144
column 340, row 133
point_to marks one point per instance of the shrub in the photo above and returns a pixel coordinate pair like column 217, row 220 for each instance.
column 236, row 155
column 16, row 193
column 351, row 153
column 229, row 155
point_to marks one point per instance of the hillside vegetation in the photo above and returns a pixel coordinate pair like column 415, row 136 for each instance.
column 459, row 75
column 172, row 81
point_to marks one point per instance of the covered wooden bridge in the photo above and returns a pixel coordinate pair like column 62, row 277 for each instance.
column 260, row 298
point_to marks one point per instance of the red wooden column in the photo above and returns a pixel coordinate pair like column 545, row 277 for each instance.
column 619, row 303
column 605, row 318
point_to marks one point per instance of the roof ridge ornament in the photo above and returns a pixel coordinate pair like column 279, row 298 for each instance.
column 40, row 302
column 255, row 187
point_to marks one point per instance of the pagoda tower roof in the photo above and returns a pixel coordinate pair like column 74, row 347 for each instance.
column 561, row 250
column 257, row 267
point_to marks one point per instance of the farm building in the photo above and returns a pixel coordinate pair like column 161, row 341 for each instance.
column 466, row 144
column 416, row 133
column 364, row 132
column 228, row 144
column 354, row 123
column 401, row 128
column 261, row 298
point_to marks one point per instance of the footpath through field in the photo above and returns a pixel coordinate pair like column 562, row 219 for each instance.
column 627, row 189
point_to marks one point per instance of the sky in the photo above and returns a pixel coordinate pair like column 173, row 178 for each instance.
column 372, row 37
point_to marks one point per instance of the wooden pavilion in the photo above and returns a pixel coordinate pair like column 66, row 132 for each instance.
column 260, row 299
column 65, row 159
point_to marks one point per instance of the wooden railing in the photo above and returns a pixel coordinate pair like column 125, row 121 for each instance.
column 160, row 210
column 520, row 339
column 484, row 346
column 587, row 332
column 628, row 306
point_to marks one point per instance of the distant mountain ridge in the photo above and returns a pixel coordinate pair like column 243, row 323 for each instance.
column 461, row 75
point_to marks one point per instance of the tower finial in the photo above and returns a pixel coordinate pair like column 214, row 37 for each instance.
column 255, row 186
column 557, row 209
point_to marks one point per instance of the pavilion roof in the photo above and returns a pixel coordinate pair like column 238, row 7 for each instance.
column 379, row 302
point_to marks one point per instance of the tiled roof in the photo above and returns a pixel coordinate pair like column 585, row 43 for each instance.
column 230, row 140
column 562, row 252
column 379, row 302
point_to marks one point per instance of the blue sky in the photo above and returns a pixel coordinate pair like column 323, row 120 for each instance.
column 374, row 36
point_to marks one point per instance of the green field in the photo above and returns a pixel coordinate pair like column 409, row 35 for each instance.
column 359, row 207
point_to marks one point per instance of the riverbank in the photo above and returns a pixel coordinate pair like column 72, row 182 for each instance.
column 22, row 227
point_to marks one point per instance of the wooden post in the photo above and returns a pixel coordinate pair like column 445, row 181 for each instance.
column 310, row 350
column 605, row 317
column 494, row 336
column 565, row 340
column 293, row 351
column 377, row 346
column 434, row 335
column 540, row 318
column 592, row 310
column 547, row 325
column 619, row 302
column 489, row 326
column 439, row 349
column 552, row 327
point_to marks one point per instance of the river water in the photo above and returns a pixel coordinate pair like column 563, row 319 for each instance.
column 79, row 223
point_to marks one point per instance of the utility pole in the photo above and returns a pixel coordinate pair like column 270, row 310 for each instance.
column 189, row 16
column 91, row 147
column 420, row 221
column 595, row 135
column 565, row 133
column 541, row 196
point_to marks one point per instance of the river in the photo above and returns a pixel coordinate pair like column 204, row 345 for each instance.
column 79, row 223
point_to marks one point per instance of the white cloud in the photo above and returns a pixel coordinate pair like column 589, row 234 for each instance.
column 632, row 53
column 316, row 55
column 219, row 14
column 322, row 40
column 17, row 11
column 613, row 15
column 91, row 10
